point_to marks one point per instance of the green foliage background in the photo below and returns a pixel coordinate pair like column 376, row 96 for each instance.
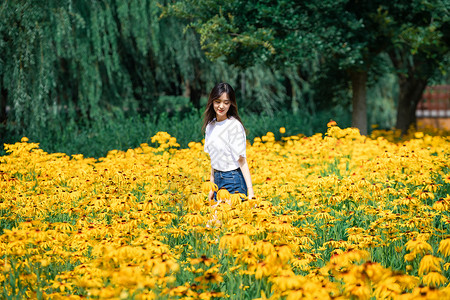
column 121, row 132
column 90, row 76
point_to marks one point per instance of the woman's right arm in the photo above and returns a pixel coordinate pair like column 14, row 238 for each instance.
column 211, row 179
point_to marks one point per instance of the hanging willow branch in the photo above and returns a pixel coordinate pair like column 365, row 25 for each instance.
column 78, row 60
column 87, row 56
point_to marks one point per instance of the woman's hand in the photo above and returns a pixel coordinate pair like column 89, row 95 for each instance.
column 246, row 173
column 251, row 194
column 211, row 195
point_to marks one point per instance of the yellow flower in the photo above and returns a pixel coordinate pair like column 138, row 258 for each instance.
column 393, row 285
column 263, row 247
column 418, row 135
column 358, row 289
column 375, row 271
column 331, row 123
column 234, row 241
column 444, row 247
column 203, row 259
column 409, row 257
column 182, row 290
column 447, row 180
column 446, row 266
column 263, row 269
column 248, row 257
column 176, row 232
column 287, row 280
column 194, row 218
column 434, row 279
column 418, row 247
column 282, row 130
column 62, row 285
column 236, row 198
column 223, row 194
column 284, row 253
column 349, row 257
column 208, row 186
column 210, row 277
column 232, row 269
column 430, row 263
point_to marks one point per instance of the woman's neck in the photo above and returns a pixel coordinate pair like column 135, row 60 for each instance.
column 221, row 119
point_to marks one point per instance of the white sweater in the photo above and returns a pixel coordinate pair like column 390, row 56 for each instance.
column 225, row 142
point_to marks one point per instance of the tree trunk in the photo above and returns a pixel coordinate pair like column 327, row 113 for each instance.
column 410, row 93
column 3, row 101
column 412, row 84
column 359, row 114
column 194, row 92
column 194, row 87
column 194, row 96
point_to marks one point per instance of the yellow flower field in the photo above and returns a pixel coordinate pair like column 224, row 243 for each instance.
column 337, row 216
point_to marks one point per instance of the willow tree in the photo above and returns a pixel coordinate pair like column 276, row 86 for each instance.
column 61, row 55
column 82, row 58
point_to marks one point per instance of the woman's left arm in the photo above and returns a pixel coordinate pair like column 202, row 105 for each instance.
column 246, row 172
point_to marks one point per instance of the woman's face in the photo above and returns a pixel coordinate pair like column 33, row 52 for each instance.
column 221, row 106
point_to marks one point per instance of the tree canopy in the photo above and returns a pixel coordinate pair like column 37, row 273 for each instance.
column 348, row 33
column 84, row 60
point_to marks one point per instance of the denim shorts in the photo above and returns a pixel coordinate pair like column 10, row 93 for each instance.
column 233, row 181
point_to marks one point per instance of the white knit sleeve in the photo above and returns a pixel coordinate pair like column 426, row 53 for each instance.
column 237, row 140
column 207, row 134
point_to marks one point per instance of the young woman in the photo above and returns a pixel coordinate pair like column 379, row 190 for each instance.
column 225, row 142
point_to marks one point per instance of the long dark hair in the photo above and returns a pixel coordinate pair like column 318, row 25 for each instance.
column 215, row 93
